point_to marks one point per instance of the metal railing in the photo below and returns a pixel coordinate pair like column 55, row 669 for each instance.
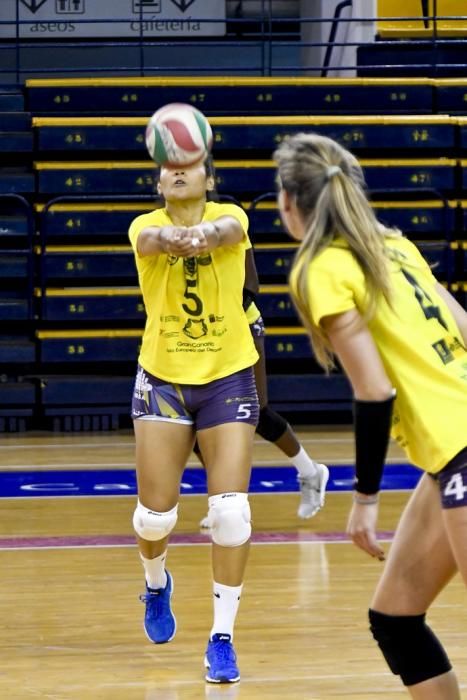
column 260, row 44
column 21, row 205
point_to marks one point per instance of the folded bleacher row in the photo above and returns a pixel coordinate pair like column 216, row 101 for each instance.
column 74, row 173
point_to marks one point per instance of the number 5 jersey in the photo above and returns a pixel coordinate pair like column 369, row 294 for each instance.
column 196, row 329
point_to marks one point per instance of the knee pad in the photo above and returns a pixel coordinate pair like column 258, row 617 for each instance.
column 409, row 646
column 271, row 426
column 151, row 525
column 230, row 519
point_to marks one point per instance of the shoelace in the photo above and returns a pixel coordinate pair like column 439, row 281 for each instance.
column 223, row 649
column 306, row 481
column 153, row 598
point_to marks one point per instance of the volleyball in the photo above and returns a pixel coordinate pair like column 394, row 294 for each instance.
column 178, row 134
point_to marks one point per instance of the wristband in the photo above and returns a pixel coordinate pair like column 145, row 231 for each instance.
column 370, row 501
column 372, row 425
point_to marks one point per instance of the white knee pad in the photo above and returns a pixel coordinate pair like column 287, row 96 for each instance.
column 230, row 519
column 153, row 526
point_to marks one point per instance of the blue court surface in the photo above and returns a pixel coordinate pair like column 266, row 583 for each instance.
column 122, row 482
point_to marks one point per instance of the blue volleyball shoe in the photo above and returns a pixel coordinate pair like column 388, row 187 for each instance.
column 221, row 660
column 159, row 621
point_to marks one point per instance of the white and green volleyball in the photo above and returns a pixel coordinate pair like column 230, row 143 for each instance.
column 178, row 134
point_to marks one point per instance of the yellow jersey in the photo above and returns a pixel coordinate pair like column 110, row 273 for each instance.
column 196, row 329
column 252, row 313
column 419, row 343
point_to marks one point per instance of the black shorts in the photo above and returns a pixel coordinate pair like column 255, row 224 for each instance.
column 452, row 480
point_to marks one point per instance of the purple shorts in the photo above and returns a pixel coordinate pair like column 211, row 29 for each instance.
column 228, row 400
column 257, row 328
column 452, row 481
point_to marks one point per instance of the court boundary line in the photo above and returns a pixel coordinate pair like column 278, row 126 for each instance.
column 178, row 539
column 175, row 544
column 3, row 499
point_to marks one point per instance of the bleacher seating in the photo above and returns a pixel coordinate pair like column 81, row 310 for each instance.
column 239, row 177
column 230, row 96
column 17, row 349
column 85, row 221
column 84, row 134
column 82, row 304
column 18, row 399
column 391, row 23
column 463, row 265
column 76, row 403
column 11, row 99
column 410, row 58
column 69, row 264
column 310, row 393
column 460, row 289
column 463, row 164
column 248, row 96
column 15, row 132
column 15, row 257
column 16, row 180
column 17, row 405
column 16, row 143
column 122, row 345
column 91, row 177
column 451, row 96
column 417, row 38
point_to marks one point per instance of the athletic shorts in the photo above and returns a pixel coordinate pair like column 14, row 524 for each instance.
column 231, row 399
column 452, row 480
column 257, row 328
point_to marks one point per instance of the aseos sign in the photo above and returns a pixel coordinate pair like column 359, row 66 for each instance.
column 112, row 18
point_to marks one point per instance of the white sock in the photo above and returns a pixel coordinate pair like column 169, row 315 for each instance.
column 154, row 570
column 303, row 463
column 226, row 602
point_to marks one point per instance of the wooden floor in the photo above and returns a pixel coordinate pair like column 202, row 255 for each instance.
column 71, row 621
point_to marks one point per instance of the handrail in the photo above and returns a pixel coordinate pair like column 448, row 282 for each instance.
column 62, row 199
column 408, row 194
column 104, row 199
column 263, row 40
column 26, row 206
column 332, row 35
column 87, row 198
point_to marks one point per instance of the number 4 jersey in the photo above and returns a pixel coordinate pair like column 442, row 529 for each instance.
column 196, row 329
column 418, row 340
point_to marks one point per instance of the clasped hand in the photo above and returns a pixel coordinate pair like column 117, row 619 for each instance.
column 186, row 242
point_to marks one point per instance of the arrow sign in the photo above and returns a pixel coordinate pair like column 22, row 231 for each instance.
column 182, row 5
column 33, row 5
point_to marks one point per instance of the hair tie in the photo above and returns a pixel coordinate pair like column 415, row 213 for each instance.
column 332, row 170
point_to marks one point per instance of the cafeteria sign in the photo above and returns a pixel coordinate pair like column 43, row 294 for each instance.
column 114, row 18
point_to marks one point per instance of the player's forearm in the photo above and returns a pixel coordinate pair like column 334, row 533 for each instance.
column 227, row 229
column 150, row 242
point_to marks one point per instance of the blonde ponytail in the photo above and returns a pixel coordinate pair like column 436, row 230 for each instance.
column 327, row 184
